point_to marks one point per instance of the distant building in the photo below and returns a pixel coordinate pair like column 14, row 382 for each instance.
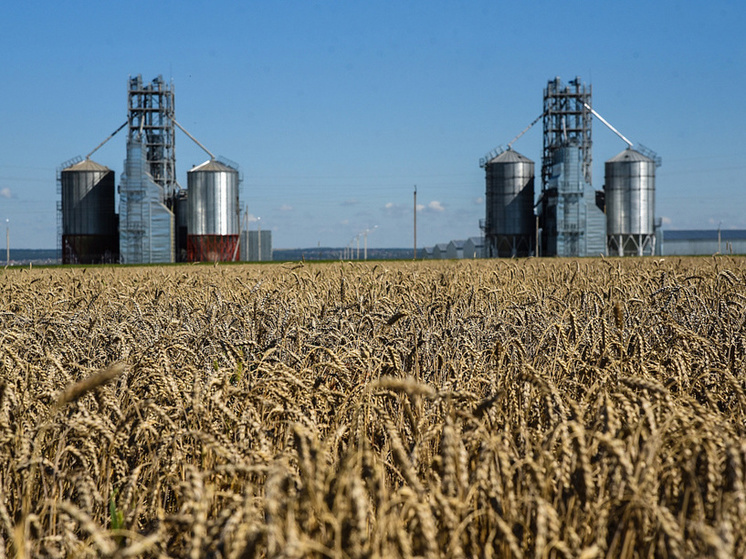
column 474, row 247
column 694, row 242
column 439, row 251
column 252, row 250
column 455, row 250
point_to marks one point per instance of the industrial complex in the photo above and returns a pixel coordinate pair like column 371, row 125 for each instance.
column 158, row 221
column 569, row 217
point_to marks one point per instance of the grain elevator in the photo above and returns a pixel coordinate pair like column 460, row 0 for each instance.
column 148, row 187
column 570, row 217
column 570, row 220
column 158, row 221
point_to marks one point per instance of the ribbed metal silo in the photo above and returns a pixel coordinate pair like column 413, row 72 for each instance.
column 181, row 217
column 630, row 204
column 510, row 225
column 213, row 220
column 89, row 221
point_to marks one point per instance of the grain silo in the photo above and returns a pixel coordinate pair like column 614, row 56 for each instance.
column 181, row 217
column 213, row 220
column 510, row 225
column 630, row 204
column 89, row 221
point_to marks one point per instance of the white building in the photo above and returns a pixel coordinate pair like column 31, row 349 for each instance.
column 474, row 247
column 439, row 251
column 254, row 251
column 455, row 250
column 701, row 242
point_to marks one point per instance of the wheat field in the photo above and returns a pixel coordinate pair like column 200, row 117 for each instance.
column 522, row 408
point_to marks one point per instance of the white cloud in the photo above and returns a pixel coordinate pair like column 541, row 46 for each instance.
column 435, row 206
column 479, row 200
column 286, row 208
column 420, row 207
column 6, row 193
column 666, row 220
column 389, row 205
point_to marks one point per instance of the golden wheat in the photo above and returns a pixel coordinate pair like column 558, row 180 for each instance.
column 546, row 408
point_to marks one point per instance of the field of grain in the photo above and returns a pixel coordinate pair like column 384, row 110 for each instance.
column 531, row 408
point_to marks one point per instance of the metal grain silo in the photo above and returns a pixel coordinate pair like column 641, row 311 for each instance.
column 89, row 222
column 213, row 221
column 630, row 204
column 181, row 217
column 510, row 225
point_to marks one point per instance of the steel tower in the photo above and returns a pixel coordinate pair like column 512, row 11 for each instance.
column 567, row 120
column 150, row 117
column 571, row 215
column 148, row 188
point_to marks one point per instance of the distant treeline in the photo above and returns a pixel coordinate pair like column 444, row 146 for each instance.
column 26, row 255
column 49, row 256
column 327, row 253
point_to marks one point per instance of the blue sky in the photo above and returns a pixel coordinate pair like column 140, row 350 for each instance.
column 334, row 110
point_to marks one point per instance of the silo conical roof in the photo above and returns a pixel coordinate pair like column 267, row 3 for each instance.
column 629, row 155
column 212, row 165
column 509, row 156
column 87, row 165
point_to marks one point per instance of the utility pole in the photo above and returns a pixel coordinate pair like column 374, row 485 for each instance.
column 259, row 238
column 415, row 222
column 366, row 241
column 244, row 223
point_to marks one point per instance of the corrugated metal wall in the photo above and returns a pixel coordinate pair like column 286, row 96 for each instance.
column 595, row 223
column 250, row 246
column 146, row 225
column 575, row 225
column 474, row 247
column 700, row 242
